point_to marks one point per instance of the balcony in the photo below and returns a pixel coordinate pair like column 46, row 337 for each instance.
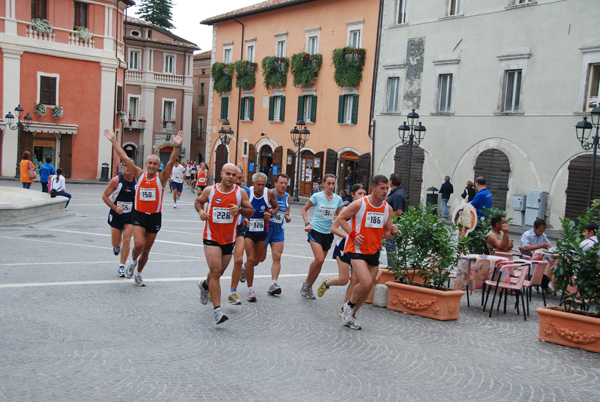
column 135, row 124
column 168, row 78
column 169, row 126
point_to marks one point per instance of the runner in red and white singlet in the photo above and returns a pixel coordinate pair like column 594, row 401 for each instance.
column 202, row 178
column 146, row 215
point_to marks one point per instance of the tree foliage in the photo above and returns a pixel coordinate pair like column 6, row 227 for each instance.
column 158, row 12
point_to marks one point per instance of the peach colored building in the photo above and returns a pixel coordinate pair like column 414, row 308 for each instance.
column 74, row 59
column 200, row 108
column 337, row 116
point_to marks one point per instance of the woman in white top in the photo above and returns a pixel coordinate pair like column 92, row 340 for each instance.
column 57, row 183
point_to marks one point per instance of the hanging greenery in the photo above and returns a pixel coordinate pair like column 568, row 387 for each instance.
column 275, row 71
column 222, row 74
column 348, row 63
column 305, row 67
column 245, row 74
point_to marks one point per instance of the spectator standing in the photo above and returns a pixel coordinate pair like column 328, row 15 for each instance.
column 350, row 179
column 24, row 168
column 46, row 170
column 483, row 198
column 469, row 192
column 398, row 201
column 445, row 190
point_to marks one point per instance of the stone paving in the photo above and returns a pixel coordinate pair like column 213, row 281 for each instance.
column 72, row 330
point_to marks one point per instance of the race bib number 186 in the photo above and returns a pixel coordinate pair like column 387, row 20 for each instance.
column 374, row 220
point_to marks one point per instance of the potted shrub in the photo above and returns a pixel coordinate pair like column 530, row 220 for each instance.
column 42, row 26
column 40, row 109
column 245, row 77
column 83, row 34
column 577, row 275
column 348, row 63
column 222, row 75
column 305, row 68
column 57, row 112
column 275, row 71
column 425, row 250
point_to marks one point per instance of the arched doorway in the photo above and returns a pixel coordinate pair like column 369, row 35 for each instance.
column 416, row 171
column 265, row 159
column 578, row 185
column 221, row 158
column 495, row 167
column 130, row 150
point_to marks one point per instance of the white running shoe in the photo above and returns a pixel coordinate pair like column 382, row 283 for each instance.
column 347, row 316
column 220, row 317
column 203, row 293
column 251, row 296
column 130, row 268
column 121, row 271
column 138, row 279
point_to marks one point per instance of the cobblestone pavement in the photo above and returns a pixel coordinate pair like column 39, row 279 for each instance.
column 72, row 330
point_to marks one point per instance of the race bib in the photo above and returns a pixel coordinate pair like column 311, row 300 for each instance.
column 148, row 194
column 278, row 218
column 127, row 206
column 326, row 212
column 257, row 225
column 202, row 180
column 374, row 220
column 221, row 215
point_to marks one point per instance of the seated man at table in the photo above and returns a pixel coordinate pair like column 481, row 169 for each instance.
column 535, row 238
column 589, row 235
column 497, row 237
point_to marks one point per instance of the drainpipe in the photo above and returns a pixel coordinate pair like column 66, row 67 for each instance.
column 373, row 87
column 186, row 67
column 112, row 154
column 237, row 128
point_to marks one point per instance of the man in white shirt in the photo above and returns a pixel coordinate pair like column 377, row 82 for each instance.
column 177, row 181
column 535, row 238
column 589, row 234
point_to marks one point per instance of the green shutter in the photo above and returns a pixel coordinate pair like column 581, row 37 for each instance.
column 282, row 109
column 341, row 110
column 251, row 105
column 313, row 108
column 271, row 107
column 242, row 108
column 224, row 108
column 354, row 109
column 300, row 108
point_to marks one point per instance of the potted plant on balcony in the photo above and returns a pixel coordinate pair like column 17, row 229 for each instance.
column 83, row 34
column 348, row 63
column 425, row 250
column 305, row 68
column 274, row 70
column 123, row 117
column 42, row 26
column 245, row 71
column 577, row 275
column 40, row 109
column 222, row 75
column 57, row 112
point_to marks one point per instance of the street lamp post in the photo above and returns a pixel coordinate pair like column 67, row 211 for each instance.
column 225, row 135
column 299, row 138
column 583, row 130
column 411, row 135
column 20, row 126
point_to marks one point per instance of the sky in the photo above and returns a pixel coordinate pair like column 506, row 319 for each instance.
column 187, row 15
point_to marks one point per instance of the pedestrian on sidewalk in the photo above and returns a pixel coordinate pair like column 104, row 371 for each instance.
column 446, row 190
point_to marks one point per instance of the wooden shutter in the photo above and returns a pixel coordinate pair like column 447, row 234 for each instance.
column 416, row 171
column 242, row 108
column 363, row 168
column 331, row 163
column 277, row 161
column 282, row 109
column 271, row 108
column 300, row 108
column 579, row 185
column 80, row 15
column 48, row 90
column 341, row 109
column 119, row 98
column 224, row 108
column 251, row 158
column 290, row 170
column 38, row 9
column 66, row 154
column 313, row 109
column 251, row 106
column 495, row 167
column 318, row 172
column 354, row 109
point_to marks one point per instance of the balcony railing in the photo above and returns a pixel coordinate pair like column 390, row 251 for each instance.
column 34, row 34
column 168, row 78
column 169, row 126
column 137, row 124
column 133, row 75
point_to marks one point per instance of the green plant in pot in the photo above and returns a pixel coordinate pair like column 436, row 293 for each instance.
column 275, row 71
column 305, row 68
column 348, row 63
column 245, row 74
column 222, row 74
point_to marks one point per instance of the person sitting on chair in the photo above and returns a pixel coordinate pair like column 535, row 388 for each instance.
column 497, row 237
column 535, row 238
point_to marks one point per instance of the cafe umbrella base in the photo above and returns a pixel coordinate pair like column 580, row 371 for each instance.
column 575, row 329
column 439, row 304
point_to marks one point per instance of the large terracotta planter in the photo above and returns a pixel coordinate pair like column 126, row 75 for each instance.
column 386, row 275
column 441, row 305
column 569, row 329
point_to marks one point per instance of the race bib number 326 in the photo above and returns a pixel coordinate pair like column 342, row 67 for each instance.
column 257, row 225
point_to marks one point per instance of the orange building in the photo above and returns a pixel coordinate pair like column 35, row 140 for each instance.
column 200, row 108
column 294, row 44
column 63, row 63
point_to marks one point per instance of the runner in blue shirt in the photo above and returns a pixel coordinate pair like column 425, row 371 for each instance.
column 327, row 206
column 276, row 235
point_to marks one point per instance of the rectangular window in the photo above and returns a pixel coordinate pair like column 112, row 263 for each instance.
column 454, row 7
column 80, row 15
column 250, row 53
column 313, row 44
column 355, row 38
column 119, row 98
column 401, row 11
column 307, row 108
column 168, row 114
column 227, row 55
column 276, row 108
column 48, row 90
column 202, row 98
column 134, row 60
column 393, row 86
column 200, row 132
column 133, row 107
column 445, row 92
column 247, row 108
column 245, row 149
column 348, row 109
column 512, row 90
column 169, row 67
column 593, row 87
column 38, row 9
column 224, row 108
column 281, row 48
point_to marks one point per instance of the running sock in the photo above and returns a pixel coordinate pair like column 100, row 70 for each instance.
column 217, row 309
column 204, row 285
column 326, row 285
column 121, row 266
column 250, row 288
column 351, row 304
column 232, row 290
column 273, row 282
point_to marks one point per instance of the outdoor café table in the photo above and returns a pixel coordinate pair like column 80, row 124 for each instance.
column 475, row 269
column 545, row 255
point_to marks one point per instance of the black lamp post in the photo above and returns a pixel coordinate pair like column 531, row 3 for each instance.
column 299, row 138
column 584, row 130
column 225, row 135
column 411, row 135
column 20, row 126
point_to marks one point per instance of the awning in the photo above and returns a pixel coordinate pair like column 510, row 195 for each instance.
column 53, row 128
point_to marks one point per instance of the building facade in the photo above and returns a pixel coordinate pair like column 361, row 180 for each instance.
column 200, row 108
column 499, row 86
column 159, row 91
column 285, row 73
column 62, row 62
